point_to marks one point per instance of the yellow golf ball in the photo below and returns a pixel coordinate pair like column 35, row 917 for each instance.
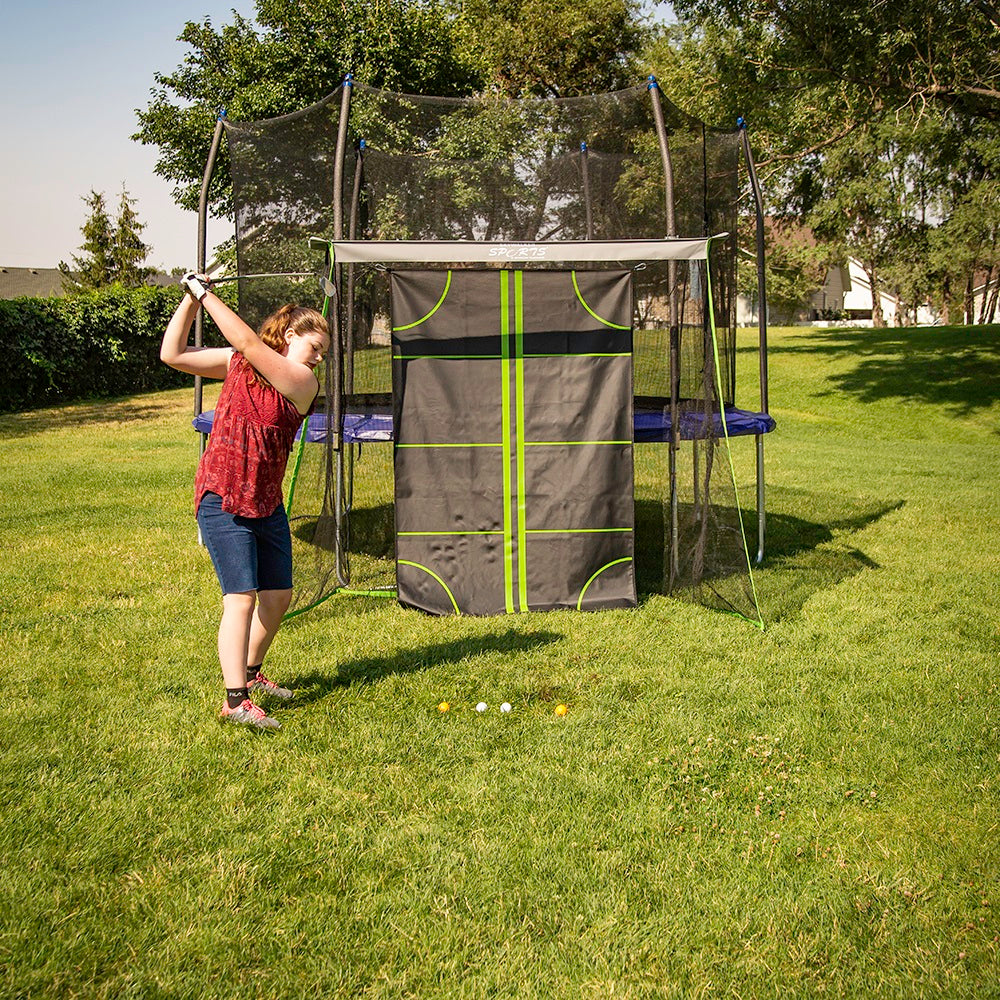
column 561, row 709
column 444, row 706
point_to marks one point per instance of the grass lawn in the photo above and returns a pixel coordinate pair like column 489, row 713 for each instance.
column 808, row 811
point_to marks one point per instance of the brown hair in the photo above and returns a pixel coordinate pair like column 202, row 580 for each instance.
column 292, row 317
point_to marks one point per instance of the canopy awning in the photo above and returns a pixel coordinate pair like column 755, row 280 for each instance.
column 478, row 251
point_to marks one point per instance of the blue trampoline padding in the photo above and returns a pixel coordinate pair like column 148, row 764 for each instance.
column 654, row 425
column 357, row 426
column 650, row 425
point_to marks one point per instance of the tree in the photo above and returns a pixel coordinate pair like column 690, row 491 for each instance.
column 550, row 48
column 298, row 53
column 128, row 250
column 873, row 123
column 112, row 253
column 299, row 50
column 95, row 267
column 918, row 54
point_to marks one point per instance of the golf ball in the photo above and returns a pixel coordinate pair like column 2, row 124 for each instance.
column 505, row 707
column 444, row 706
column 481, row 707
column 561, row 709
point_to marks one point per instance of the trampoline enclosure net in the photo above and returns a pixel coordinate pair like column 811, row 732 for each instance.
column 491, row 169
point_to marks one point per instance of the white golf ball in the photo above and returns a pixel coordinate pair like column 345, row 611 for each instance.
column 481, row 707
column 505, row 707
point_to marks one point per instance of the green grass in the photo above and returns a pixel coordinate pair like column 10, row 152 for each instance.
column 807, row 811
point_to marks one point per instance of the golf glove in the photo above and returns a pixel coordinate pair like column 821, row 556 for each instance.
column 197, row 284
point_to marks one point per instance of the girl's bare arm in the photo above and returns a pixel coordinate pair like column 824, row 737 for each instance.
column 209, row 362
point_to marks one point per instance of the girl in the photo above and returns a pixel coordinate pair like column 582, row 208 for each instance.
column 269, row 386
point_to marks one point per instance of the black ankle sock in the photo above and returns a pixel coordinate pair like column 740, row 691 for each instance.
column 236, row 696
column 252, row 672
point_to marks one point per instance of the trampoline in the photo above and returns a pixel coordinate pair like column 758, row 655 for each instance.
column 369, row 189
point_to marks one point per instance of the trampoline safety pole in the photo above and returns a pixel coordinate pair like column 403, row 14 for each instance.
column 201, row 257
column 337, row 338
column 761, row 328
column 674, row 348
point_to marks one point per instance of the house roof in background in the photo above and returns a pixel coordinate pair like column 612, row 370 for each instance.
column 43, row 282
column 47, row 282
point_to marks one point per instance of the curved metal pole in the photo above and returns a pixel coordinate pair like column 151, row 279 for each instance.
column 352, row 232
column 337, row 338
column 761, row 283
column 668, row 192
column 762, row 334
column 202, row 254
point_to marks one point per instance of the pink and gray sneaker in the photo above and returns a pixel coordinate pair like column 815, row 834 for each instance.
column 264, row 685
column 248, row 714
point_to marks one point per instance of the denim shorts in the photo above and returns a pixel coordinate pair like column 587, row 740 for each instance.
column 248, row 553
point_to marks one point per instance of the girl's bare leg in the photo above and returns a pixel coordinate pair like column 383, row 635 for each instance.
column 271, row 608
column 234, row 637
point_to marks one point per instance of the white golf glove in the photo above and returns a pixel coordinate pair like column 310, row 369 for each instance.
column 197, row 284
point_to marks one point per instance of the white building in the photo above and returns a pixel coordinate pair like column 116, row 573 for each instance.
column 845, row 299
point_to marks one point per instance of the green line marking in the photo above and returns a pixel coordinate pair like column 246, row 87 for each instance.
column 508, row 533
column 573, row 531
column 522, row 503
column 440, row 301
column 614, row 326
column 536, row 444
column 458, row 534
column 725, row 430
column 616, row 354
column 579, row 603
column 430, row 572
column 452, row 444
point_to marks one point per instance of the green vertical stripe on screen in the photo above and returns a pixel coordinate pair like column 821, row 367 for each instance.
column 725, row 430
column 508, row 536
column 522, row 576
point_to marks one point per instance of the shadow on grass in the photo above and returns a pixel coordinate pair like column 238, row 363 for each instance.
column 953, row 367
column 804, row 548
column 111, row 413
column 372, row 532
column 407, row 661
column 803, row 555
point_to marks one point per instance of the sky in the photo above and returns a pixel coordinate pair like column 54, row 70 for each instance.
column 72, row 76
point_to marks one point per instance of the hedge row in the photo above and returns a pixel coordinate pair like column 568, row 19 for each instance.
column 91, row 345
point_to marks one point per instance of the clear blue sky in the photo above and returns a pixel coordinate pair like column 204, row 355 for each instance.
column 72, row 75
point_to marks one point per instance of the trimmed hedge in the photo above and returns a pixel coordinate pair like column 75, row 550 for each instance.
column 85, row 346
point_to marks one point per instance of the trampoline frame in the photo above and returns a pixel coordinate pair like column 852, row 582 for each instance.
column 344, row 493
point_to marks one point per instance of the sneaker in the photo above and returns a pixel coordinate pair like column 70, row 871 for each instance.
column 248, row 714
column 266, row 686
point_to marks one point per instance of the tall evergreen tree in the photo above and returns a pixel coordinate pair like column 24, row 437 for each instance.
column 111, row 252
column 128, row 250
column 94, row 267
